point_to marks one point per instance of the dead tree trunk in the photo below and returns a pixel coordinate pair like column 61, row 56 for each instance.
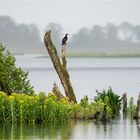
column 60, row 68
column 137, row 116
column 124, row 102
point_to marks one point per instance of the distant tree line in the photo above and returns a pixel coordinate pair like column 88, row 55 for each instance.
column 18, row 35
column 110, row 35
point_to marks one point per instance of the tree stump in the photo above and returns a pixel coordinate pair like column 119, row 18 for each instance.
column 61, row 69
column 137, row 116
column 124, row 102
column 57, row 92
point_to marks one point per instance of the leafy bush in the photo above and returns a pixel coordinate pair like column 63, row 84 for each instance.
column 84, row 102
column 12, row 78
column 99, row 106
column 86, row 110
column 111, row 99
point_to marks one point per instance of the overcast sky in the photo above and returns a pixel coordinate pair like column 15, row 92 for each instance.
column 71, row 14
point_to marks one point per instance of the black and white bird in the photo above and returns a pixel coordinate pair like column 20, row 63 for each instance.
column 64, row 40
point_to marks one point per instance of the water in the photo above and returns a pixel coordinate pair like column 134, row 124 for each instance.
column 119, row 128
column 87, row 75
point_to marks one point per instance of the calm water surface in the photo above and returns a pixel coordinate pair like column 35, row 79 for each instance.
column 120, row 128
column 87, row 75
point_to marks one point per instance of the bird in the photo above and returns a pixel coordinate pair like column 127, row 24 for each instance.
column 64, row 40
column 104, row 114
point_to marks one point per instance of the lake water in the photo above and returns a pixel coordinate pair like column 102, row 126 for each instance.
column 87, row 75
column 120, row 128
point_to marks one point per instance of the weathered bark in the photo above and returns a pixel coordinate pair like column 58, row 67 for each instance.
column 60, row 68
column 124, row 102
column 57, row 92
column 137, row 116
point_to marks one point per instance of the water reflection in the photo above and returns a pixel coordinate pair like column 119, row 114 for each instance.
column 120, row 128
column 31, row 131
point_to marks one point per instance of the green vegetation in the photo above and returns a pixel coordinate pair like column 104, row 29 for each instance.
column 132, row 107
column 93, row 54
column 84, row 110
column 35, row 108
column 12, row 78
column 111, row 99
column 42, row 108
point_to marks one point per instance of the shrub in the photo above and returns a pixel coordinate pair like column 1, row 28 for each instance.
column 4, row 107
column 13, row 79
column 84, row 102
column 99, row 106
column 111, row 99
column 38, row 108
column 76, row 111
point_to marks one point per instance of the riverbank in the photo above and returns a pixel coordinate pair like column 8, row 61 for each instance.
column 46, row 108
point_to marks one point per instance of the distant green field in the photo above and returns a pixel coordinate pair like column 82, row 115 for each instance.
column 98, row 54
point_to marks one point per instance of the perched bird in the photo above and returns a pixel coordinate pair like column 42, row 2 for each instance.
column 64, row 40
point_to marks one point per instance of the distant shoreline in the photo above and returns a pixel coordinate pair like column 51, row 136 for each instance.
column 95, row 55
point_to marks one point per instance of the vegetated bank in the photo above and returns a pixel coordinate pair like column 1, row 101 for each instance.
column 42, row 108
column 46, row 108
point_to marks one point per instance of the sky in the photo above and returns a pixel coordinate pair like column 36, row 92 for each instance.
column 71, row 14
